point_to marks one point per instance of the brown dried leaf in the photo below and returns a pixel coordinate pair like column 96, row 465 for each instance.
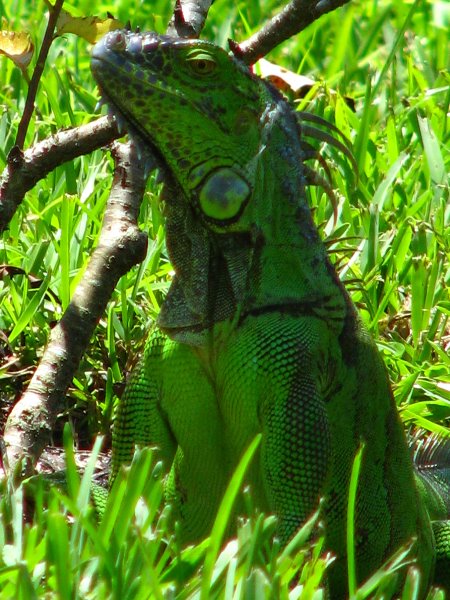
column 284, row 80
column 291, row 84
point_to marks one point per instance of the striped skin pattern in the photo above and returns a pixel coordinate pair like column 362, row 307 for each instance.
column 256, row 334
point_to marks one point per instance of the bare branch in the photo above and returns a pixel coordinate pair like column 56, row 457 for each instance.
column 37, row 73
column 294, row 17
column 188, row 18
column 25, row 169
column 121, row 245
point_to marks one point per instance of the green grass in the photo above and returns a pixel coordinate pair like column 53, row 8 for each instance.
column 132, row 554
column 391, row 244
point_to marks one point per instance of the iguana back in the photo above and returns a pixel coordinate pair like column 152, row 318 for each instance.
column 257, row 334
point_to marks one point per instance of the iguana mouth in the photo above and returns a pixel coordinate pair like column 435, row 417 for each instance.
column 146, row 148
column 102, row 60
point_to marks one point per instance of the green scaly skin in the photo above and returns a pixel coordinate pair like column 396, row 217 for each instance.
column 257, row 334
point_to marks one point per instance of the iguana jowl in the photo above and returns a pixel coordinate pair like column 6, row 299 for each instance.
column 257, row 334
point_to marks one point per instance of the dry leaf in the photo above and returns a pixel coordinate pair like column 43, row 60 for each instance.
column 284, row 80
column 88, row 28
column 293, row 85
column 17, row 46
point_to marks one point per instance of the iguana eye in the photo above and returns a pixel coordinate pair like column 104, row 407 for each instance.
column 201, row 63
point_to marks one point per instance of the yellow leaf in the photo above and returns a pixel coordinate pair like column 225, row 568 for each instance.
column 88, row 28
column 16, row 46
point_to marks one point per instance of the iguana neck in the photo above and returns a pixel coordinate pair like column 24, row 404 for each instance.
column 278, row 262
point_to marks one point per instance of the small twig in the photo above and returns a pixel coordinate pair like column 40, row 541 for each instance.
column 121, row 245
column 292, row 19
column 37, row 73
column 25, row 169
column 188, row 18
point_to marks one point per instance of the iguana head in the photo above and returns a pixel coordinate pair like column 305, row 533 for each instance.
column 238, row 229
column 199, row 107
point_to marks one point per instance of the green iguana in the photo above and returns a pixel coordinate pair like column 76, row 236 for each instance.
column 257, row 333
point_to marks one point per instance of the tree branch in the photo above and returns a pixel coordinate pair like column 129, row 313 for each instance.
column 188, row 18
column 121, row 245
column 292, row 19
column 37, row 73
column 25, row 169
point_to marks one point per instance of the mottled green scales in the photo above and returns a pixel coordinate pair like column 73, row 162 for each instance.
column 256, row 334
